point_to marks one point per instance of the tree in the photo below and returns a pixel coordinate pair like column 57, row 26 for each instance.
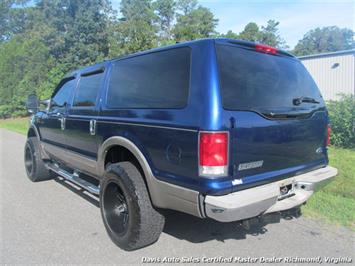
column 13, row 19
column 270, row 35
column 186, row 6
column 197, row 23
column 24, row 64
column 74, row 30
column 165, row 10
column 326, row 39
column 251, row 32
column 135, row 31
column 230, row 35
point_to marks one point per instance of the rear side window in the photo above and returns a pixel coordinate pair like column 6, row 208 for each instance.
column 252, row 80
column 157, row 80
column 87, row 90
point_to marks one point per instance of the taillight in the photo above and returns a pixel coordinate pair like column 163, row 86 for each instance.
column 265, row 48
column 213, row 154
column 328, row 135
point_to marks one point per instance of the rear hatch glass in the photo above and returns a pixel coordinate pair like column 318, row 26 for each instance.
column 252, row 80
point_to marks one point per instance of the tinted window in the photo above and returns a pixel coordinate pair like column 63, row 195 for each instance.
column 255, row 80
column 87, row 90
column 157, row 80
column 61, row 97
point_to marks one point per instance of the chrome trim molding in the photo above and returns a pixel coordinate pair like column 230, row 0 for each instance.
column 162, row 194
column 153, row 126
column 132, row 124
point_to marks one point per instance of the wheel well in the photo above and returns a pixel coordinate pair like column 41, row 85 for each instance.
column 31, row 133
column 118, row 154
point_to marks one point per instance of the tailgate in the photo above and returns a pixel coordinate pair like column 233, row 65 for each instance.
column 279, row 116
column 265, row 150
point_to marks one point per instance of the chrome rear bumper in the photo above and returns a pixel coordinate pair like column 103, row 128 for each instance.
column 266, row 199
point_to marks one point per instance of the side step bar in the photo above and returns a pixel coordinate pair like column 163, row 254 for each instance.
column 74, row 178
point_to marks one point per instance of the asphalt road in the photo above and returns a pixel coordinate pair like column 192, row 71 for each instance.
column 54, row 223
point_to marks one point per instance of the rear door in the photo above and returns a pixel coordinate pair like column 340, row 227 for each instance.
column 280, row 116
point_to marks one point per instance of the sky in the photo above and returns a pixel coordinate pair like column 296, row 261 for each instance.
column 295, row 17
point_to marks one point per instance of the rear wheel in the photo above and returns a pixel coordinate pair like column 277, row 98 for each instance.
column 35, row 169
column 128, row 215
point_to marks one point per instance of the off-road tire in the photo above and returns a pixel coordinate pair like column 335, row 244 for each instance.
column 37, row 171
column 144, row 224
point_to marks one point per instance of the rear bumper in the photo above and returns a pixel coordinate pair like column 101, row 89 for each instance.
column 266, row 199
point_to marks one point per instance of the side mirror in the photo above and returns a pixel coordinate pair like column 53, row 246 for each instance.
column 46, row 103
column 32, row 104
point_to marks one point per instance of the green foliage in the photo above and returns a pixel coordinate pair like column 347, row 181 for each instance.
column 326, row 39
column 230, row 35
column 52, row 79
column 42, row 40
column 24, row 62
column 342, row 119
column 12, row 20
column 186, row 6
column 336, row 201
column 195, row 24
column 268, row 34
column 135, row 31
column 74, row 30
column 251, row 32
column 19, row 125
column 165, row 11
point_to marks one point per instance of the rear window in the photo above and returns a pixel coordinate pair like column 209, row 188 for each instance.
column 252, row 80
column 157, row 80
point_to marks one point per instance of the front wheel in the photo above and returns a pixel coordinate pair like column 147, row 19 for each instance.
column 126, row 209
column 35, row 168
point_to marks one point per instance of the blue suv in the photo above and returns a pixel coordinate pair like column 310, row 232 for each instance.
column 216, row 128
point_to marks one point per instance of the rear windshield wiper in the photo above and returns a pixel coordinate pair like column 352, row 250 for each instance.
column 298, row 101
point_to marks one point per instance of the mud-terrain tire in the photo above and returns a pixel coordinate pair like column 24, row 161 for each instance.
column 127, row 212
column 35, row 169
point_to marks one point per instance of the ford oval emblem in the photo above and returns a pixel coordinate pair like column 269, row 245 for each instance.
column 319, row 150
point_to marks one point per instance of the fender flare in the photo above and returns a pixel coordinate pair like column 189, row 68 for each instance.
column 162, row 194
column 42, row 152
column 129, row 145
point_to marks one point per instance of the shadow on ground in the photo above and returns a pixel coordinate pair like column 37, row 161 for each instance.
column 196, row 230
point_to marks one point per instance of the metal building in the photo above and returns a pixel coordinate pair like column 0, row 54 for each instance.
column 334, row 72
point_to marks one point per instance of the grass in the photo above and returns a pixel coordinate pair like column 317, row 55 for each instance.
column 19, row 125
column 335, row 203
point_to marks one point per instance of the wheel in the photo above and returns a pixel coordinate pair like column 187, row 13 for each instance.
column 34, row 165
column 126, row 209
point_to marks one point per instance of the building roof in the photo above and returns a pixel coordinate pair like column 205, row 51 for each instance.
column 344, row 52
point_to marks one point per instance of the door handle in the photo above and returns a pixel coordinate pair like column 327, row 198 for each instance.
column 62, row 123
column 92, row 128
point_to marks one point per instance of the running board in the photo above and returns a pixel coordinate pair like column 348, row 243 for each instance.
column 74, row 178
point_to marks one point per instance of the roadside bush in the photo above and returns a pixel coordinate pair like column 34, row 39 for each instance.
column 342, row 120
column 5, row 111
